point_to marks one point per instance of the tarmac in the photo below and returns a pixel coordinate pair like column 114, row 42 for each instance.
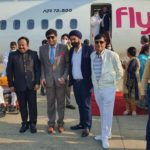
column 128, row 132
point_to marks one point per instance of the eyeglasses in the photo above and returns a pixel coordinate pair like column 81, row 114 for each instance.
column 50, row 37
column 101, row 42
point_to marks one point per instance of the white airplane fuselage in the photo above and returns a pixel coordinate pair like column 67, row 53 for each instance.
column 130, row 20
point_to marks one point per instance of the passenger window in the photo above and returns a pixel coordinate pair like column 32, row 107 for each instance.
column 3, row 24
column 59, row 24
column 30, row 24
column 44, row 24
column 73, row 23
column 16, row 24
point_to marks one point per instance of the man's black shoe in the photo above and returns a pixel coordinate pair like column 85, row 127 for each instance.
column 33, row 128
column 70, row 106
column 23, row 128
column 85, row 132
column 77, row 127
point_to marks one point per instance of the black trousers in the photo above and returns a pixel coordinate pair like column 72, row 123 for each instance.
column 82, row 96
column 28, row 105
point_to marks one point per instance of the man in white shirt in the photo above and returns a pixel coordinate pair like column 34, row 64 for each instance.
column 80, row 78
column 106, row 72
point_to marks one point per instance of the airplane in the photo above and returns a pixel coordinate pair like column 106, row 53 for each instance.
column 32, row 18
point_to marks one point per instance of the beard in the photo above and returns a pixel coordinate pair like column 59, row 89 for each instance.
column 75, row 44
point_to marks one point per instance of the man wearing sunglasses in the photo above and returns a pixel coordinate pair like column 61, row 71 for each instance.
column 106, row 72
column 54, row 65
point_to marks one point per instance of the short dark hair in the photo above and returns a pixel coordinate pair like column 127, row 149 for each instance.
column 44, row 42
column 132, row 51
column 24, row 38
column 13, row 43
column 145, row 48
column 51, row 31
column 145, row 39
column 86, row 41
column 67, row 35
column 99, row 36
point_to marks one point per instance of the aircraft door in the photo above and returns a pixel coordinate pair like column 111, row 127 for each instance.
column 101, row 21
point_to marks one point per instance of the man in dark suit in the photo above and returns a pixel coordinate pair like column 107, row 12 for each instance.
column 80, row 78
column 23, row 72
column 105, row 24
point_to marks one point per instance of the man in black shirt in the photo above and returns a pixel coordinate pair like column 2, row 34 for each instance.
column 23, row 72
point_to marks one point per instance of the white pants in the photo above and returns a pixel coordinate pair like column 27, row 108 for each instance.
column 1, row 96
column 105, row 100
column 13, row 98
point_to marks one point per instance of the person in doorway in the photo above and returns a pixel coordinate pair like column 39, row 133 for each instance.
column 95, row 24
column 105, row 23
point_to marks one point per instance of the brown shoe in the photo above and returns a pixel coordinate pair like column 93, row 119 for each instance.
column 50, row 129
column 61, row 129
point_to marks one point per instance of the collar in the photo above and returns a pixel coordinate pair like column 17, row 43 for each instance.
column 79, row 50
column 52, row 46
column 12, row 50
column 100, row 53
column 23, row 53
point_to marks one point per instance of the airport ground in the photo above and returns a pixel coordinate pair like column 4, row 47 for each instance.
column 128, row 132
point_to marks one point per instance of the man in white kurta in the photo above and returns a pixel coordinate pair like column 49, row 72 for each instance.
column 95, row 24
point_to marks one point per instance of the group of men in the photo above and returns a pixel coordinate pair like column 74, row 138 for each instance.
column 87, row 68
